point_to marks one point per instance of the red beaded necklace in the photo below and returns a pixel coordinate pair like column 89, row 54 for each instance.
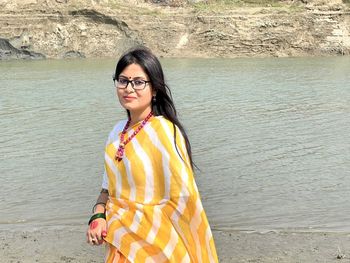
column 120, row 152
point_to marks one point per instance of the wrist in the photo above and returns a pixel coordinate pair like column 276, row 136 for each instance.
column 96, row 216
column 99, row 208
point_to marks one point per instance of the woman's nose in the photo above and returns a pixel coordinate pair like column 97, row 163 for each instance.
column 130, row 87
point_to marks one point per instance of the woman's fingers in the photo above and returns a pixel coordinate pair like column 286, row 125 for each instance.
column 99, row 238
column 92, row 238
column 95, row 233
column 95, row 240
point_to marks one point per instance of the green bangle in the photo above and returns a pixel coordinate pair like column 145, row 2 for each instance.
column 95, row 216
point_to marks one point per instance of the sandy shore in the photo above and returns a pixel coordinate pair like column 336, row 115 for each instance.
column 67, row 244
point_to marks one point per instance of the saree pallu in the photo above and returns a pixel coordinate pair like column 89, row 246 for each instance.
column 114, row 256
column 154, row 212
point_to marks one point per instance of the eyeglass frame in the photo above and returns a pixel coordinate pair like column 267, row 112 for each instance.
column 132, row 82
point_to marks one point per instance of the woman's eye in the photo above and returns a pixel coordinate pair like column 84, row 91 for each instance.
column 139, row 82
column 123, row 81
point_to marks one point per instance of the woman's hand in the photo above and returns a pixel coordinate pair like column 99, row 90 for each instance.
column 97, row 231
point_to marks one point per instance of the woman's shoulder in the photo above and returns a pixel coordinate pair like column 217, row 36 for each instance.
column 164, row 126
column 117, row 128
column 164, row 130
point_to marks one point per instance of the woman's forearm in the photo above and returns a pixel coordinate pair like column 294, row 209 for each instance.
column 101, row 202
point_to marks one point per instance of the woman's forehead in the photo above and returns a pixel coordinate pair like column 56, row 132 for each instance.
column 133, row 70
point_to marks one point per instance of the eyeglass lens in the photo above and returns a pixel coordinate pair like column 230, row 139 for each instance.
column 122, row 83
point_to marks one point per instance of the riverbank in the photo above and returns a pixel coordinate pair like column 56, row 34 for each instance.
column 67, row 244
column 69, row 29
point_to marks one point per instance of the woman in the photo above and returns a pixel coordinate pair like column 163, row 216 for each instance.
column 149, row 209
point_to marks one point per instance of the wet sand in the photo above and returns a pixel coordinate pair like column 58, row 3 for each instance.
column 67, row 244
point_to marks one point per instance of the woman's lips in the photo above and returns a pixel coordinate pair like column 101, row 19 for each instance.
column 129, row 98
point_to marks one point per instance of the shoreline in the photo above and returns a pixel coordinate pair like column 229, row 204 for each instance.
column 67, row 244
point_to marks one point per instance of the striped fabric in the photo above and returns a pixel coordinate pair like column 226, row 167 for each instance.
column 114, row 256
column 154, row 212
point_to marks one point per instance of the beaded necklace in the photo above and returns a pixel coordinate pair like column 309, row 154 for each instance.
column 120, row 152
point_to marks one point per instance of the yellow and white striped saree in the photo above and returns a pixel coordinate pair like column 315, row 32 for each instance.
column 154, row 212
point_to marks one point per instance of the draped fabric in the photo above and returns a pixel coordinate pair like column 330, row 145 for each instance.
column 154, row 212
column 114, row 256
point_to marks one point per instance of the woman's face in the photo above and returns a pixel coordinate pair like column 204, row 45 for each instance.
column 136, row 101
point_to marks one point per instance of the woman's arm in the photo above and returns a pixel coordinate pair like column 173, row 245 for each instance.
column 100, row 205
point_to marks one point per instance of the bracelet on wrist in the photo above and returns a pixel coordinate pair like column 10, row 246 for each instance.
column 95, row 216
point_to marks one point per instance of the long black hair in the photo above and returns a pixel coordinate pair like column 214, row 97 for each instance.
column 163, row 103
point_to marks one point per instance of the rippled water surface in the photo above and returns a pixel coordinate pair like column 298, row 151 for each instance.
column 271, row 138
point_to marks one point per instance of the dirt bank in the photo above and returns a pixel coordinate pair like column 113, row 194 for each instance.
column 62, row 28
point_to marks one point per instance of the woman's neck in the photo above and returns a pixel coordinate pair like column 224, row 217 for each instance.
column 136, row 117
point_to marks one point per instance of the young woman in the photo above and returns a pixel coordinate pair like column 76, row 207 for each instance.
column 149, row 208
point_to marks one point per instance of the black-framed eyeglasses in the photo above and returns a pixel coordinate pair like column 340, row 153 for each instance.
column 136, row 84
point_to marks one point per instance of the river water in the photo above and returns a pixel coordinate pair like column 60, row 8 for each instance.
column 271, row 138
